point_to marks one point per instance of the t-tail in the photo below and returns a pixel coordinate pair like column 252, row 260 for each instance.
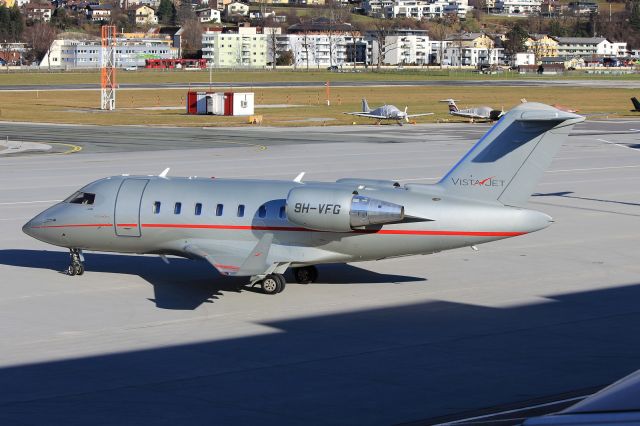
column 636, row 104
column 365, row 106
column 505, row 165
column 452, row 106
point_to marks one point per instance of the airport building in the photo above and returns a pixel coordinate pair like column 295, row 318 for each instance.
column 132, row 50
column 245, row 49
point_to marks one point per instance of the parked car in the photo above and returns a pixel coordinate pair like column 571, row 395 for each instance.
column 332, row 68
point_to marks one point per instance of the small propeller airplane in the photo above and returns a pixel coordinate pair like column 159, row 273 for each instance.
column 474, row 113
column 386, row 112
column 261, row 228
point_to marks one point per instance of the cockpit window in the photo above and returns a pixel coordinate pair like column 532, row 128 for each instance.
column 81, row 198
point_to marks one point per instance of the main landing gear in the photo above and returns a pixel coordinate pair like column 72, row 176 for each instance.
column 305, row 274
column 77, row 262
column 275, row 283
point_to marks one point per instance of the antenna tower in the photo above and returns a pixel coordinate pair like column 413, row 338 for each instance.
column 108, row 70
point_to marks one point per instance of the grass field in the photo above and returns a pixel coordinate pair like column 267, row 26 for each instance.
column 307, row 105
column 261, row 76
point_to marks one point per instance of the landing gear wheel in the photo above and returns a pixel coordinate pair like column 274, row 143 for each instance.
column 271, row 285
column 283, row 282
column 305, row 274
column 76, row 267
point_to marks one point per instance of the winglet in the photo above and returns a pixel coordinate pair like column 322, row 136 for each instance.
column 298, row 178
column 164, row 172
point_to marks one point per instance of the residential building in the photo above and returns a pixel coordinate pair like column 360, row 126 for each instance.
column 236, row 9
column 38, row 12
column 619, row 49
column 208, row 15
column 515, row 7
column 402, row 46
column 143, row 15
column 418, row 9
column 151, row 3
column 541, row 45
column 131, row 51
column 584, row 46
column 551, row 8
column 378, row 8
column 97, row 13
column 246, row 48
column 460, row 56
column 475, row 40
column 324, row 50
column 582, row 7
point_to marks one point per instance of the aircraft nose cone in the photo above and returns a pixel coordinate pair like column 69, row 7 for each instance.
column 28, row 228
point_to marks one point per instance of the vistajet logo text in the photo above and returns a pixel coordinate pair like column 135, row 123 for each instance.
column 474, row 181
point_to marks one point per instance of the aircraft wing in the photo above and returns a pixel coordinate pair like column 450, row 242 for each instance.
column 366, row 114
column 419, row 115
column 233, row 259
column 467, row 114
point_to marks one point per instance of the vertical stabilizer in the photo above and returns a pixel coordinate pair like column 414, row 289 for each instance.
column 365, row 105
column 636, row 104
column 507, row 163
column 452, row 106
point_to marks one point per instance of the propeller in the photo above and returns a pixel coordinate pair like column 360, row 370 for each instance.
column 406, row 117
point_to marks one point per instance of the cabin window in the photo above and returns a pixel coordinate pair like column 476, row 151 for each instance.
column 219, row 209
column 177, row 208
column 283, row 213
column 156, row 207
column 262, row 211
column 198, row 209
column 240, row 210
column 81, row 198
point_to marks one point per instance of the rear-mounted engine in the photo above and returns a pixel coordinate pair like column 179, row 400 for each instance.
column 338, row 210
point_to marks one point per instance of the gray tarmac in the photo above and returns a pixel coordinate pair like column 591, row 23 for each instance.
column 411, row 340
column 608, row 83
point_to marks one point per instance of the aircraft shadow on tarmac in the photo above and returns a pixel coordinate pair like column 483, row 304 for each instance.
column 376, row 367
column 567, row 194
column 183, row 284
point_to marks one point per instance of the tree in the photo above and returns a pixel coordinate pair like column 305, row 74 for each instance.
column 11, row 23
column 272, row 40
column 39, row 36
column 634, row 18
column 191, row 38
column 285, row 58
column 184, row 13
column 61, row 19
column 167, row 12
column 515, row 40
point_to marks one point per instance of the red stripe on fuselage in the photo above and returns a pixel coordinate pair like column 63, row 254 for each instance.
column 297, row 229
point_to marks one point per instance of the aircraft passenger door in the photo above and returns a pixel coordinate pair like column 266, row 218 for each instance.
column 127, row 211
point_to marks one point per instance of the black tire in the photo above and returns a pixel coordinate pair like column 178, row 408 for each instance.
column 305, row 274
column 283, row 282
column 79, row 269
column 271, row 285
column 71, row 270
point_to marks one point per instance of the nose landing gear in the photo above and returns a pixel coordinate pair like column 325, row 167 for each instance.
column 77, row 262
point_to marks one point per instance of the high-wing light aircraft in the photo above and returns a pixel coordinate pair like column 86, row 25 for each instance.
column 386, row 112
column 475, row 113
column 260, row 228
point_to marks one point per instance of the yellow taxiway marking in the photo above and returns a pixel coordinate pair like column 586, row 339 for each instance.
column 71, row 150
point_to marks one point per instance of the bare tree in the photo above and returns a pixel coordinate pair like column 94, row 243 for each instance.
column 381, row 30
column 191, row 37
column 40, row 36
column 272, row 38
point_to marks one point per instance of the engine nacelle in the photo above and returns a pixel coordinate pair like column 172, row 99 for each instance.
column 338, row 210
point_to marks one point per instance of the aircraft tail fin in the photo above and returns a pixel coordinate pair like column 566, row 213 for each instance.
column 365, row 105
column 508, row 161
column 452, row 106
column 636, row 103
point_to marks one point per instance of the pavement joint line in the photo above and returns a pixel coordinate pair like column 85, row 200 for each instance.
column 616, row 144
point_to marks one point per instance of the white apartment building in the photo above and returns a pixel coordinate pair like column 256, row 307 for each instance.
column 418, row 9
column 587, row 46
column 87, row 53
column 208, row 14
column 378, row 8
column 322, row 50
column 401, row 47
column 514, row 7
column 455, row 56
column 245, row 48
column 619, row 49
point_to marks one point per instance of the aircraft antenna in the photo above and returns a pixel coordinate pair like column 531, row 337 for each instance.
column 108, row 70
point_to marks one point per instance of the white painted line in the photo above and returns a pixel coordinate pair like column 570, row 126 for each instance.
column 502, row 413
column 616, row 144
column 29, row 202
